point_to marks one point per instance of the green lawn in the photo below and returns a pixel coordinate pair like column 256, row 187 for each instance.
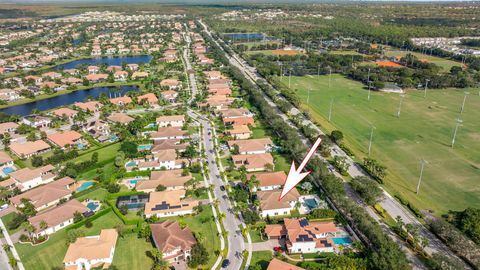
column 345, row 52
column 281, row 163
column 424, row 130
column 98, row 194
column 445, row 64
column 49, row 254
column 6, row 219
column 255, row 235
column 131, row 253
column 104, row 153
column 261, row 258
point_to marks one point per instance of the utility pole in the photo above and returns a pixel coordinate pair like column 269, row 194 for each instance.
column 318, row 70
column 426, row 86
column 400, row 105
column 459, row 122
column 368, row 83
column 423, row 162
column 330, row 112
column 330, row 77
column 463, row 103
column 370, row 142
column 289, row 77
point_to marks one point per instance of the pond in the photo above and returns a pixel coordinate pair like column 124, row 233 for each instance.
column 109, row 61
column 67, row 99
column 247, row 36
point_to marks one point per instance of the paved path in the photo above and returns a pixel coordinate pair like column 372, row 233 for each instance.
column 3, row 256
column 12, row 247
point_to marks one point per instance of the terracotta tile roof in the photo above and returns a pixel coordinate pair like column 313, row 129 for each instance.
column 96, row 77
column 269, row 178
column 92, row 247
column 276, row 264
column 89, row 106
column 121, row 100
column 169, row 201
column 239, row 129
column 64, row 112
column 6, row 126
column 243, row 120
column 4, row 157
column 45, row 194
column 168, row 144
column 234, row 112
column 254, row 161
column 28, row 148
column 251, row 145
column 170, row 118
column 165, row 155
column 65, row 138
column 269, row 199
column 169, row 82
column 168, row 132
column 58, row 214
column 300, row 229
column 27, row 174
column 169, row 236
column 121, row 118
column 150, row 97
column 169, row 178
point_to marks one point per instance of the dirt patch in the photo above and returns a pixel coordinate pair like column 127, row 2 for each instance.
column 285, row 52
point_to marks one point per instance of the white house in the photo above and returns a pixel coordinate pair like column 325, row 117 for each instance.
column 170, row 120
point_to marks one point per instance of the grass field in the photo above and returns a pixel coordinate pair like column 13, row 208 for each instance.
column 261, row 258
column 424, row 130
column 345, row 52
column 445, row 64
column 131, row 253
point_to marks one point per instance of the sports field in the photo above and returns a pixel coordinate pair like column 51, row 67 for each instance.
column 424, row 130
column 445, row 64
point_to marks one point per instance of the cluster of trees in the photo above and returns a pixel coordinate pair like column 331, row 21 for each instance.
column 467, row 221
column 375, row 169
column 58, row 156
column 73, row 169
column 368, row 189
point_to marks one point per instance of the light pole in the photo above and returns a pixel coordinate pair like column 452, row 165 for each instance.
column 423, row 162
column 329, row 77
column 425, row 91
column 368, row 83
column 318, row 70
column 370, row 142
column 459, row 122
column 330, row 112
column 289, row 77
column 463, row 103
column 400, row 105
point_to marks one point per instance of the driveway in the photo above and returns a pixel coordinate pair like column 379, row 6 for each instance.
column 266, row 246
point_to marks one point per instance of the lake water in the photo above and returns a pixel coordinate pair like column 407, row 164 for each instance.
column 67, row 99
column 109, row 61
column 247, row 36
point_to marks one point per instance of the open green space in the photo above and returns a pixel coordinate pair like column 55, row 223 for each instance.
column 261, row 258
column 131, row 253
column 345, row 52
column 97, row 194
column 104, row 153
column 424, row 130
column 50, row 254
column 445, row 64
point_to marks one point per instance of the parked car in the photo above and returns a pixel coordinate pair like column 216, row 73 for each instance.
column 222, row 188
column 225, row 263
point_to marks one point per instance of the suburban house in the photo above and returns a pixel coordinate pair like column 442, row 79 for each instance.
column 120, row 75
column 270, row 205
column 269, row 180
column 169, row 95
column 163, row 159
column 90, row 106
column 64, row 112
column 92, row 251
column 28, row 149
column 253, row 163
column 36, row 121
column 170, row 179
column 168, row 133
column 6, row 162
column 65, row 139
column 121, row 100
column 303, row 236
column 57, row 217
column 95, row 78
column 171, row 120
column 8, row 127
column 174, row 242
column 27, row 178
column 276, row 264
column 139, row 75
column 169, row 203
column 241, row 132
column 170, row 84
column 100, row 130
column 168, row 144
column 252, row 146
column 47, row 195
column 149, row 98
column 120, row 118
column 213, row 75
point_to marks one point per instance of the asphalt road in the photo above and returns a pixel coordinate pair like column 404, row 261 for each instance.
column 391, row 206
column 231, row 224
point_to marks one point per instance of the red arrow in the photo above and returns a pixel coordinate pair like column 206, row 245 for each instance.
column 295, row 176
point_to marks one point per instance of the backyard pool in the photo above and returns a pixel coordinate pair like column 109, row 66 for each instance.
column 345, row 240
column 144, row 147
column 311, row 203
column 131, row 163
column 93, row 206
column 7, row 170
column 84, row 186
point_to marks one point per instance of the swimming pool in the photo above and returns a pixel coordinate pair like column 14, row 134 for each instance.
column 151, row 125
column 93, row 206
column 345, row 240
column 311, row 203
column 81, row 146
column 144, row 147
column 7, row 170
column 84, row 186
column 131, row 163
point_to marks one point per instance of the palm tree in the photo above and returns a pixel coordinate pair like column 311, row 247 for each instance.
column 158, row 262
column 43, row 225
column 221, row 216
column 6, row 247
column 30, row 229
